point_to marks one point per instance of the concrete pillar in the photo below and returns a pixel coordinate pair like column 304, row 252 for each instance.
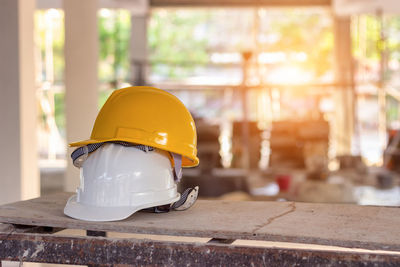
column 246, row 56
column 19, row 176
column 81, row 81
column 138, row 48
column 382, row 128
column 345, row 93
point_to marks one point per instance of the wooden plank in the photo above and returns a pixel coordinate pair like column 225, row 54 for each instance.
column 17, row 228
column 325, row 224
column 238, row 3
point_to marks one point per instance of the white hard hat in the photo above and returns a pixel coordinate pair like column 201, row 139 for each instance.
column 117, row 181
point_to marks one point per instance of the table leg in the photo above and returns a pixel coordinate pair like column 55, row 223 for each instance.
column 95, row 233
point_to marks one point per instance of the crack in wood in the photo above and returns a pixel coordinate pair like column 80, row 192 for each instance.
column 292, row 207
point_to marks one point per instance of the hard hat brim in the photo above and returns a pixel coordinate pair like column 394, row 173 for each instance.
column 80, row 211
column 187, row 160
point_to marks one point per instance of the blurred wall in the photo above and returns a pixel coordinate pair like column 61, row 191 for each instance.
column 19, row 177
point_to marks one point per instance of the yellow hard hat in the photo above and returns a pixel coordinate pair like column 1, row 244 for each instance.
column 147, row 116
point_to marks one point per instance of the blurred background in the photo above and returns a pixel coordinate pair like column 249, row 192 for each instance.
column 293, row 100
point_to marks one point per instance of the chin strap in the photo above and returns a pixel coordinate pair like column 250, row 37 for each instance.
column 188, row 198
column 177, row 167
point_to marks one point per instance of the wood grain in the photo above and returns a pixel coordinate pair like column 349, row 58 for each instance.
column 325, row 224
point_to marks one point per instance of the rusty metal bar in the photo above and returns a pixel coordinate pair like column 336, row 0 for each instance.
column 108, row 251
column 220, row 241
column 22, row 228
column 96, row 233
column 19, row 228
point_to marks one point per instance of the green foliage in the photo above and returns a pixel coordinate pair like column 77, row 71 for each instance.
column 369, row 46
column 103, row 96
column 50, row 24
column 59, row 109
column 306, row 32
column 114, row 36
column 172, row 41
column 174, row 38
column 366, row 37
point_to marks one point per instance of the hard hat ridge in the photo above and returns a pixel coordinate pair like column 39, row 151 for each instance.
column 147, row 116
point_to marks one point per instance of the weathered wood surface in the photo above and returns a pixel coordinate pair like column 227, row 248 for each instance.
column 324, row 224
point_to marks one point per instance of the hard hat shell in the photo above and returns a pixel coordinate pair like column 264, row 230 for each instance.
column 117, row 181
column 147, row 116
